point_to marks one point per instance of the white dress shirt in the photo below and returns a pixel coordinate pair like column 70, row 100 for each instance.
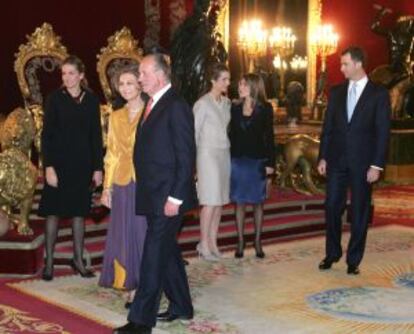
column 159, row 94
column 359, row 86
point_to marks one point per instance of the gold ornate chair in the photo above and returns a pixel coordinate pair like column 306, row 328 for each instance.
column 40, row 56
column 122, row 49
column 43, row 53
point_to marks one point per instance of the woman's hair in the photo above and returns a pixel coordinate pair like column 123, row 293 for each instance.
column 132, row 68
column 76, row 62
column 213, row 73
column 257, row 88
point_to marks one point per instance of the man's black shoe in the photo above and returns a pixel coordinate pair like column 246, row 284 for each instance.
column 131, row 328
column 327, row 263
column 353, row 270
column 168, row 317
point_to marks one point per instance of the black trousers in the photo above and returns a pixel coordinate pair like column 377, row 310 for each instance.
column 339, row 180
column 162, row 270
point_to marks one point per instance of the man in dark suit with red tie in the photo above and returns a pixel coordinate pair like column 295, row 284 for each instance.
column 164, row 159
column 352, row 155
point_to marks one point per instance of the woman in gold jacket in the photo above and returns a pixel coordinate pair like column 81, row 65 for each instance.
column 126, row 231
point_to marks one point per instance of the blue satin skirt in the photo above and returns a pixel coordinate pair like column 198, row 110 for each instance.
column 248, row 181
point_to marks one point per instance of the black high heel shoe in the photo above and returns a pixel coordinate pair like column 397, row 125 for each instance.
column 86, row 274
column 47, row 276
column 259, row 251
column 240, row 250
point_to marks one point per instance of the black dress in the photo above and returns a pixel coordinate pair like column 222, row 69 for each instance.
column 72, row 144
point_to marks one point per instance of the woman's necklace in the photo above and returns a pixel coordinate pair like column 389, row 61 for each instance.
column 133, row 111
column 77, row 98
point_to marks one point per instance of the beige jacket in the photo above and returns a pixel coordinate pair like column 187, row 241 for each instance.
column 211, row 120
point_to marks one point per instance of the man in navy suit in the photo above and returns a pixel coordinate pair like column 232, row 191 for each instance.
column 164, row 159
column 352, row 154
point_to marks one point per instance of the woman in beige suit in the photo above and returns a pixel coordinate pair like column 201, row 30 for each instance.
column 212, row 116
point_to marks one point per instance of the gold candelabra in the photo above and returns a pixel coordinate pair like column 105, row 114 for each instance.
column 279, row 63
column 324, row 42
column 256, row 42
column 298, row 63
column 252, row 40
column 281, row 43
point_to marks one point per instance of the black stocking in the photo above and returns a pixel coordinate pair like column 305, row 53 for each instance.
column 240, row 216
column 258, row 223
column 50, row 240
column 78, row 232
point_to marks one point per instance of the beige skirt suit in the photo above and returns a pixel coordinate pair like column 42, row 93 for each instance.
column 213, row 150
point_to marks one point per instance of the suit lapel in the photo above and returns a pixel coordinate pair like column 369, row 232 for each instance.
column 344, row 101
column 362, row 99
column 161, row 104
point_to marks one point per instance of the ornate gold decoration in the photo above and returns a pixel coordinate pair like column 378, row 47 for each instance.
column 300, row 151
column 2, row 120
column 282, row 44
column 252, row 40
column 18, row 176
column 223, row 22
column 121, row 45
column 36, row 110
column 105, row 111
column 324, row 42
column 314, row 19
column 405, row 18
column 122, row 48
column 43, row 42
column 13, row 320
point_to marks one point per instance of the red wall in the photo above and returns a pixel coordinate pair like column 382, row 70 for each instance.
column 352, row 20
column 84, row 26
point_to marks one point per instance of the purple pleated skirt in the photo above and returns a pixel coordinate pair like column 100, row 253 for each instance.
column 125, row 238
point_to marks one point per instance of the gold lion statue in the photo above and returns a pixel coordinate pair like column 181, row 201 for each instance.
column 300, row 151
column 18, row 176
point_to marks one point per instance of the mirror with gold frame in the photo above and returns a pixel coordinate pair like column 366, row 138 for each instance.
column 313, row 15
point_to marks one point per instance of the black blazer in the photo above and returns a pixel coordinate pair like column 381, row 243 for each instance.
column 253, row 136
column 363, row 141
column 164, row 156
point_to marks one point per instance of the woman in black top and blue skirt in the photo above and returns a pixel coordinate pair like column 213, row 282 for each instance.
column 252, row 155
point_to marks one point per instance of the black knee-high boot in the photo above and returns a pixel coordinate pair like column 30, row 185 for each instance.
column 240, row 215
column 78, row 231
column 51, row 229
column 258, row 223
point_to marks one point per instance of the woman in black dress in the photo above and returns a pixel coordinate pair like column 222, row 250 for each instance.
column 252, row 155
column 72, row 157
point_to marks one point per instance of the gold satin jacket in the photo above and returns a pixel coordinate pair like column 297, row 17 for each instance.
column 119, row 163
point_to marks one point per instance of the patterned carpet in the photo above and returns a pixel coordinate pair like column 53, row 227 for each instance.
column 283, row 293
column 394, row 202
column 22, row 313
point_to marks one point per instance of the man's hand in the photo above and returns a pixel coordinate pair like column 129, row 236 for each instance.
column 97, row 178
column 171, row 209
column 373, row 175
column 269, row 170
column 322, row 167
column 106, row 198
column 51, row 177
